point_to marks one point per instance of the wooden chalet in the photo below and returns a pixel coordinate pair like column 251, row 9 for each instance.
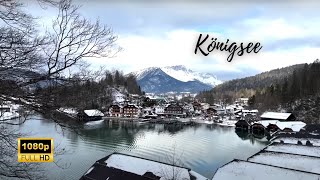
column 115, row 110
column 130, row 110
column 211, row 111
column 173, row 109
column 196, row 106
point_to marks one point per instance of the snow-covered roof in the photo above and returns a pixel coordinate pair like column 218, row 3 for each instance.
column 243, row 170
column 132, row 105
column 244, row 99
column 292, row 140
column 93, row 112
column 71, row 111
column 4, row 106
column 141, row 166
column 308, row 164
column 296, row 126
column 295, row 149
column 276, row 115
column 250, row 111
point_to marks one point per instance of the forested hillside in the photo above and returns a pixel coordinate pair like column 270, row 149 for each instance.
column 90, row 93
column 295, row 89
column 245, row 87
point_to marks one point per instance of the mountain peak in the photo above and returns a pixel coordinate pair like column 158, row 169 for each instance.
column 178, row 77
column 177, row 67
column 181, row 73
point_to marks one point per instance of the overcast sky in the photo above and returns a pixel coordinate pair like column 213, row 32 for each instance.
column 163, row 34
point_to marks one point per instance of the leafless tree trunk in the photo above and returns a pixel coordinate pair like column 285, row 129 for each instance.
column 26, row 58
column 173, row 173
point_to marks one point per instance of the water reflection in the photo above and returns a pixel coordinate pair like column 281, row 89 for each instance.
column 203, row 148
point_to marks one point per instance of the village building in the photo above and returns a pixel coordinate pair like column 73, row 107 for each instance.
column 253, row 112
column 188, row 108
column 131, row 110
column 4, row 108
column 219, row 108
column 243, row 101
column 147, row 110
column 196, row 106
column 115, row 110
column 278, row 116
column 174, row 109
column 205, row 106
column 90, row 115
column 211, row 111
column 234, row 108
column 155, row 100
column 159, row 109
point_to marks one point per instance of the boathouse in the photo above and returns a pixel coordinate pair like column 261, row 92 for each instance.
column 127, row 167
column 258, row 128
column 242, row 125
column 284, row 126
column 278, row 116
column 90, row 115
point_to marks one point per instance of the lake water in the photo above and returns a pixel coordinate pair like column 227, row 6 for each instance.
column 203, row 148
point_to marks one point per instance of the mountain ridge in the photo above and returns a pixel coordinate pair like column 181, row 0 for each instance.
column 157, row 80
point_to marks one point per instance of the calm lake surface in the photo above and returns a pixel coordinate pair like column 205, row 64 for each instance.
column 203, row 148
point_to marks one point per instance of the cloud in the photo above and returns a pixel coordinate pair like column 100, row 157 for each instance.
column 162, row 34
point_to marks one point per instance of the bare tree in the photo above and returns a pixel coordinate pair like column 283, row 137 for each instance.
column 26, row 58
column 76, row 38
column 174, row 172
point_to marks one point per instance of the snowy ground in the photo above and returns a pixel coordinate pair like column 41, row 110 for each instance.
column 242, row 170
column 200, row 121
column 297, row 162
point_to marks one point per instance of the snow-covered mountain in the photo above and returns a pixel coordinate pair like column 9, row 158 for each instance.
column 181, row 73
column 174, row 78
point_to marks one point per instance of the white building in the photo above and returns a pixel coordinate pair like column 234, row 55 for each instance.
column 159, row 109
